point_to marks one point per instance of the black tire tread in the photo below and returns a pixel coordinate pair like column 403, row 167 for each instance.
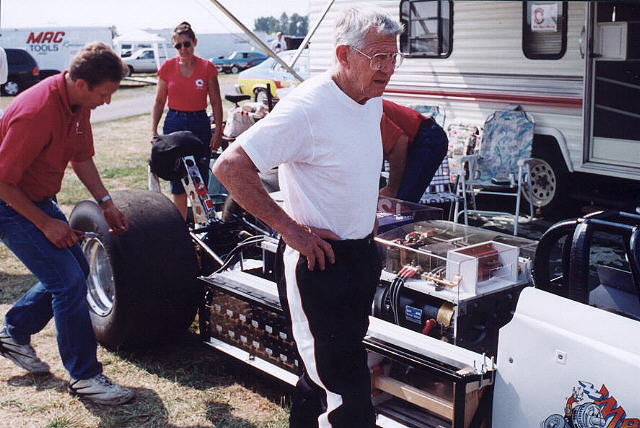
column 154, row 268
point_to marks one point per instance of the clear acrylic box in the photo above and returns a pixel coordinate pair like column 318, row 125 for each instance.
column 392, row 213
column 453, row 261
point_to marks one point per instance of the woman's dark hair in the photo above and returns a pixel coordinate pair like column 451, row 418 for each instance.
column 184, row 29
column 95, row 64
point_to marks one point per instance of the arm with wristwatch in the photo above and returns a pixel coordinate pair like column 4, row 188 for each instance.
column 88, row 173
column 58, row 232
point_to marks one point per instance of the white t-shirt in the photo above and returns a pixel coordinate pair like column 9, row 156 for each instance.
column 277, row 44
column 330, row 153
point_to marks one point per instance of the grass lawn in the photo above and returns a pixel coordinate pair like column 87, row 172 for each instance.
column 184, row 384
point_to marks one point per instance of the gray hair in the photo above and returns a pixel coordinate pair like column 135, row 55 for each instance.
column 354, row 23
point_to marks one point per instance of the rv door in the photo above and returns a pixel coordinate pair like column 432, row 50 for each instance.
column 612, row 97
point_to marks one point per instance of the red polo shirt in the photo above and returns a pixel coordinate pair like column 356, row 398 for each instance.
column 398, row 120
column 39, row 135
column 187, row 93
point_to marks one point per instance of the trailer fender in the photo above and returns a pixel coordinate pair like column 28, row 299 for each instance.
column 560, row 140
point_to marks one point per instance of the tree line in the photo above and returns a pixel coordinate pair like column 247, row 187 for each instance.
column 294, row 25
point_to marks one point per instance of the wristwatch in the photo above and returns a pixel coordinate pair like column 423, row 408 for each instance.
column 106, row 198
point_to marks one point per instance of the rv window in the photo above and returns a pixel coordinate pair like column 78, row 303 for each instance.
column 544, row 29
column 428, row 28
column 617, row 11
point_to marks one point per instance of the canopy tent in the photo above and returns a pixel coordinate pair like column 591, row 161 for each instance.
column 141, row 37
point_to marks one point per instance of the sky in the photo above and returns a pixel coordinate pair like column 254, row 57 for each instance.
column 203, row 16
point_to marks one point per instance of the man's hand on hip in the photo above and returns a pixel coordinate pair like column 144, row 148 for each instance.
column 310, row 242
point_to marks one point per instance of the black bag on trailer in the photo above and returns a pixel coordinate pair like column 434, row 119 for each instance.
column 168, row 149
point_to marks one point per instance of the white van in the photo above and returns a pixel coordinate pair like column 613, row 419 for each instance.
column 144, row 61
column 53, row 47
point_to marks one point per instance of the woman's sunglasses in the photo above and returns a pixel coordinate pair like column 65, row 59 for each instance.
column 179, row 46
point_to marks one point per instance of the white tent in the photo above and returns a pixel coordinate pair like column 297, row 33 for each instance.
column 141, row 38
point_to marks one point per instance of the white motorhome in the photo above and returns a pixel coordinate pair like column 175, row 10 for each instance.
column 574, row 66
column 53, row 47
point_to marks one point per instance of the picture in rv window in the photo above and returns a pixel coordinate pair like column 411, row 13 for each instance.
column 544, row 29
column 428, row 28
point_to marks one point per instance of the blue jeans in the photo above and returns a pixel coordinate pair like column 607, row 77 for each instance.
column 60, row 293
column 424, row 156
column 198, row 123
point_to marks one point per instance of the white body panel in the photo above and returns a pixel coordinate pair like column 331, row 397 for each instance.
column 487, row 70
column 144, row 60
column 570, row 349
column 53, row 47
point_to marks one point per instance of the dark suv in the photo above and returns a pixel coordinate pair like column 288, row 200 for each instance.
column 23, row 72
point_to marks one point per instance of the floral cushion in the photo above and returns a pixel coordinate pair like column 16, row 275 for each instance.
column 507, row 138
column 463, row 140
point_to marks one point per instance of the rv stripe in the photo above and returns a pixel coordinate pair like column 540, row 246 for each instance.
column 492, row 97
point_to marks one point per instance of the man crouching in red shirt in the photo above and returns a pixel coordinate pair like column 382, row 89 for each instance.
column 44, row 129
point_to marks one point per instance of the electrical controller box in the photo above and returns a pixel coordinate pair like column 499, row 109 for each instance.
column 453, row 282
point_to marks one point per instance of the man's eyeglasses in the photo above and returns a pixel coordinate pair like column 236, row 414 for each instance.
column 380, row 60
column 179, row 46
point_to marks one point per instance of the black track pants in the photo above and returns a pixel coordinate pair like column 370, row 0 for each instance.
column 329, row 311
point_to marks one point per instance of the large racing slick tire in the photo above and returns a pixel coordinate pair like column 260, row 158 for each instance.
column 142, row 285
column 549, row 181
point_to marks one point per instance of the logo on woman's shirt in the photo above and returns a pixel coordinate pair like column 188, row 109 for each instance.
column 199, row 83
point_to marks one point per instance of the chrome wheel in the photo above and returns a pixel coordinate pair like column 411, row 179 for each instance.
column 543, row 183
column 101, row 290
column 11, row 88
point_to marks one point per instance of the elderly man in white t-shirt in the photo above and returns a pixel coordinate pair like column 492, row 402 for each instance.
column 325, row 138
column 278, row 44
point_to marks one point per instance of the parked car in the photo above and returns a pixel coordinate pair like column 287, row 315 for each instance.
column 254, row 81
column 23, row 72
column 238, row 61
column 144, row 61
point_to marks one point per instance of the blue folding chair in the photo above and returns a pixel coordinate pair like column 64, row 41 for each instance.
column 502, row 164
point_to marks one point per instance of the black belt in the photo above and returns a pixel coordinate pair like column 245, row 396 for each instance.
column 188, row 112
column 347, row 243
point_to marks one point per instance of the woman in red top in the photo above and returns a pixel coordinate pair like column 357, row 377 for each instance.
column 186, row 81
